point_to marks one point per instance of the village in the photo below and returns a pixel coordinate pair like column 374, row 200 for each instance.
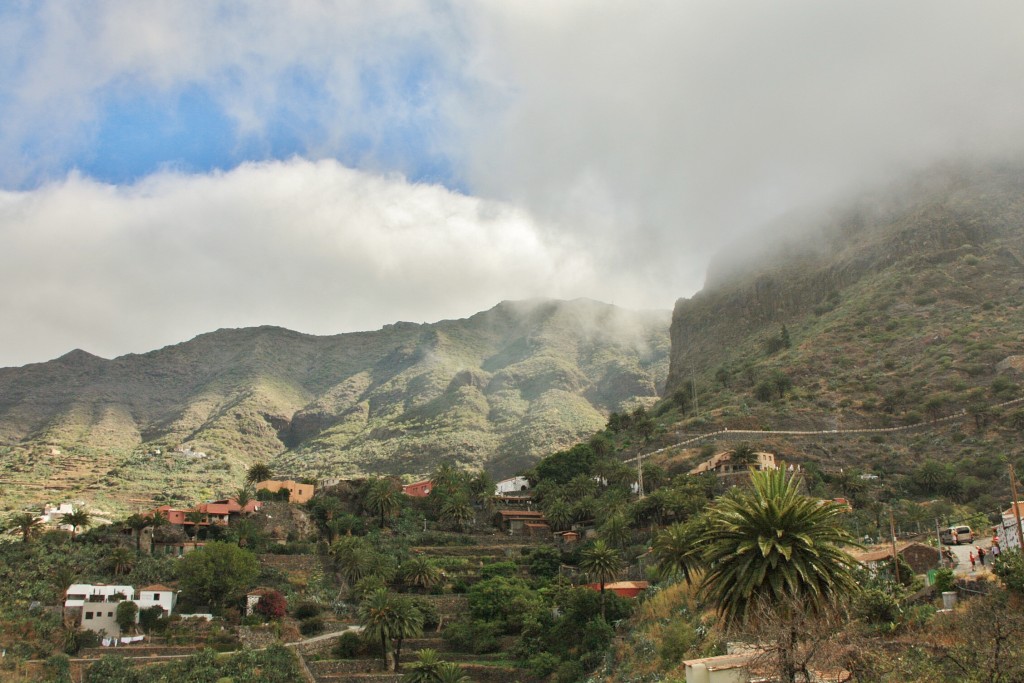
column 296, row 563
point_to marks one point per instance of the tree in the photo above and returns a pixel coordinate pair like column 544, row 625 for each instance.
column 217, row 573
column 382, row 499
column 601, row 562
column 458, row 512
column 677, row 549
column 258, row 472
column 353, row 559
column 426, row 667
column 558, row 514
column 78, row 518
column 126, row 614
column 194, row 518
column 28, row 524
column 421, row 572
column 120, row 560
column 244, row 495
column 386, row 617
column 772, row 542
column 615, row 531
column 450, row 672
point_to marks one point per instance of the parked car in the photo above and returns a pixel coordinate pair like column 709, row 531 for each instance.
column 961, row 534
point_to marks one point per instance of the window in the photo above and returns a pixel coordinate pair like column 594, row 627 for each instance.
column 110, row 614
column 88, row 615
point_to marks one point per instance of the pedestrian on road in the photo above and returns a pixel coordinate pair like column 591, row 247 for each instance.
column 981, row 555
column 995, row 553
column 972, row 560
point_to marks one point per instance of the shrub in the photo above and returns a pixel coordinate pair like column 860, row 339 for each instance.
column 349, row 645
column 153, row 619
column 569, row 672
column 543, row 664
column 476, row 637
column 272, row 605
column 431, row 617
column 311, row 626
column 305, row 610
column 489, row 571
column 945, row 579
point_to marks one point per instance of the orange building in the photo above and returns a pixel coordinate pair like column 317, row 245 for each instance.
column 297, row 493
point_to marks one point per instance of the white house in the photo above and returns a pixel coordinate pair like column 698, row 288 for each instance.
column 511, row 485
column 94, row 606
column 157, row 595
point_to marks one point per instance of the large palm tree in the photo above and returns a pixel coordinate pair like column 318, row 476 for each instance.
column 615, row 531
column 258, row 472
column 771, row 544
column 559, row 514
column 382, row 498
column 353, row 559
column 386, row 617
column 601, row 562
column 78, row 518
column 28, row 524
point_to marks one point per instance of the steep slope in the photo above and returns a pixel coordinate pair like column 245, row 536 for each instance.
column 497, row 390
column 902, row 307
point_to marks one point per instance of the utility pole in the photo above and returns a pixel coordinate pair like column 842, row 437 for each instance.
column 1016, row 510
column 892, row 537
column 938, row 536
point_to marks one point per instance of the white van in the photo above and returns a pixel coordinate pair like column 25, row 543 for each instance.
column 961, row 534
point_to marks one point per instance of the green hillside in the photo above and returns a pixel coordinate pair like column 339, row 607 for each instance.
column 495, row 390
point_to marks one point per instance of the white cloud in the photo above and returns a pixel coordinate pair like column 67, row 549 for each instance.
column 315, row 247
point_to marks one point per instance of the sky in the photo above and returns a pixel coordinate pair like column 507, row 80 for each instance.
column 171, row 168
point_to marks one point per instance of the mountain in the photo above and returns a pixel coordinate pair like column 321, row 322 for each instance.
column 902, row 306
column 496, row 390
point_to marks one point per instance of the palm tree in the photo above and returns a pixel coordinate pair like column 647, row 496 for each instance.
column 121, row 560
column 386, row 616
column 244, row 495
column 458, row 512
column 194, row 518
column 601, row 562
column 258, row 472
column 408, row 624
column 353, row 560
column 382, row 499
column 771, row 543
column 558, row 514
column 78, row 518
column 137, row 523
column 450, row 672
column 677, row 549
column 615, row 531
column 421, row 572
column 28, row 524
column 425, row 668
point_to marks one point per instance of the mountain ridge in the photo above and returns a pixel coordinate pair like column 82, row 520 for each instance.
column 497, row 389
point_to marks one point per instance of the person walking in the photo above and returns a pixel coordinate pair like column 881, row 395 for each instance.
column 995, row 552
column 971, row 555
column 981, row 555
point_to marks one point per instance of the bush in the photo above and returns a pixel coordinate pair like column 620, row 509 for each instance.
column 271, row 605
column 349, row 646
column 153, row 619
column 305, row 610
column 545, row 562
column 569, row 672
column 476, row 637
column 542, row 665
column 945, row 579
column 311, row 626
column 431, row 617
column 489, row 571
